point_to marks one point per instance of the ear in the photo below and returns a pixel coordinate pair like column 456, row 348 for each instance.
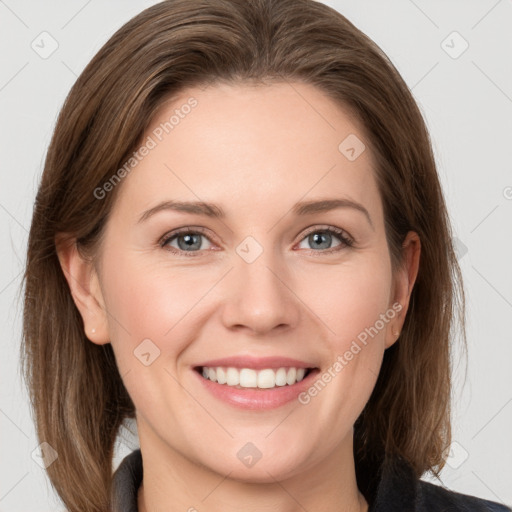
column 84, row 286
column 403, row 284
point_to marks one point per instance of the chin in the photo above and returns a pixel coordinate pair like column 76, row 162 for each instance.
column 262, row 472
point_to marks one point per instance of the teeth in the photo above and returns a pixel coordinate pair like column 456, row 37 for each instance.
column 232, row 377
column 249, row 378
column 291, row 376
column 221, row 376
column 281, row 377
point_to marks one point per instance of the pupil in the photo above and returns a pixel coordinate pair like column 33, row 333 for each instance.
column 317, row 238
column 190, row 241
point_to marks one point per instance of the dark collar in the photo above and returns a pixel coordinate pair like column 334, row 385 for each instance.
column 126, row 483
column 396, row 489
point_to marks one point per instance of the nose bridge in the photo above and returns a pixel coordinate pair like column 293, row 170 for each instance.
column 259, row 298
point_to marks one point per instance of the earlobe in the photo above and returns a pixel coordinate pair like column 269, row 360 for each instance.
column 85, row 289
column 404, row 283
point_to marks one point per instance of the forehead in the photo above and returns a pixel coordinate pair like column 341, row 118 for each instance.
column 252, row 146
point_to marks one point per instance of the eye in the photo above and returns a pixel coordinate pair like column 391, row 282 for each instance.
column 322, row 239
column 187, row 240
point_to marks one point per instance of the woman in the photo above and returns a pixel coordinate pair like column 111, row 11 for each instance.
column 242, row 243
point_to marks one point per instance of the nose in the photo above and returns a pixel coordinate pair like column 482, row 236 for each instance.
column 259, row 297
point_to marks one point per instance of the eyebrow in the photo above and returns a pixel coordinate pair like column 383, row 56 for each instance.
column 212, row 210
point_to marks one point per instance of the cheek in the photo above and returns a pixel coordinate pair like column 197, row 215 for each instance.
column 149, row 309
column 351, row 297
column 151, row 302
column 355, row 309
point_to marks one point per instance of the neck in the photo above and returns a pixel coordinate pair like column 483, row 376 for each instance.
column 173, row 482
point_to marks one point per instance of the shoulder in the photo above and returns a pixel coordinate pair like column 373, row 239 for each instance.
column 397, row 487
column 432, row 497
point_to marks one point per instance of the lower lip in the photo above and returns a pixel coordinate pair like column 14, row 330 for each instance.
column 256, row 398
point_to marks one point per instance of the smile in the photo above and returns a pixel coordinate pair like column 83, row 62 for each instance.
column 266, row 378
column 255, row 389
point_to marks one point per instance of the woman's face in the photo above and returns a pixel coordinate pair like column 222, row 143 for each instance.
column 264, row 280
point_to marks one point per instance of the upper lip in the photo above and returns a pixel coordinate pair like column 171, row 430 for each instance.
column 258, row 363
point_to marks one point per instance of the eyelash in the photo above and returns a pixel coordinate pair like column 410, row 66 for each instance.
column 346, row 241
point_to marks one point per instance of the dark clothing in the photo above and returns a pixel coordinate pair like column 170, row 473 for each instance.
column 397, row 490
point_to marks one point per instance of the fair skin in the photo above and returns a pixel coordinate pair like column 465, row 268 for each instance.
column 255, row 151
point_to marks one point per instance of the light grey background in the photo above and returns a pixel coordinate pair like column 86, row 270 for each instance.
column 466, row 99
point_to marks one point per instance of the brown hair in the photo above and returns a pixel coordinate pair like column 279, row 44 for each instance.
column 76, row 391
